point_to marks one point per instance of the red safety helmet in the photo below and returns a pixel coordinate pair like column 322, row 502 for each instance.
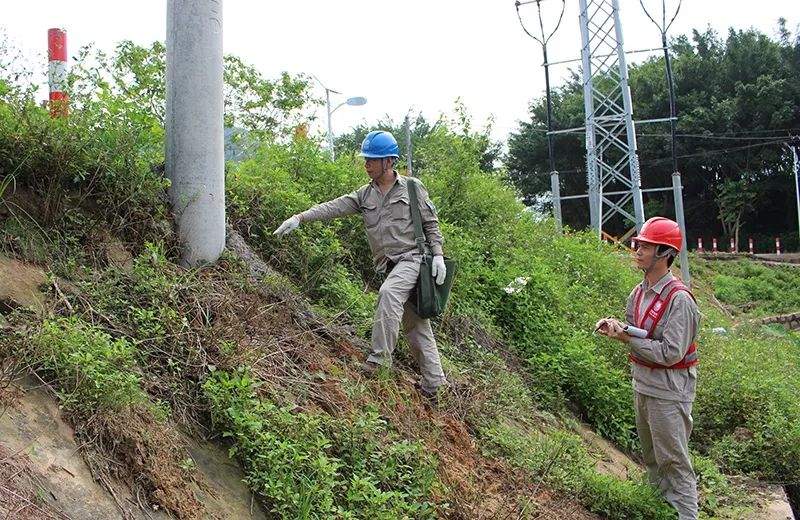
column 661, row 231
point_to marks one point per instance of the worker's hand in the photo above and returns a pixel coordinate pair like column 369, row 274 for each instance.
column 601, row 327
column 438, row 270
column 616, row 331
column 289, row 225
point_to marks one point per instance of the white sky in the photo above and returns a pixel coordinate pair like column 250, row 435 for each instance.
column 414, row 53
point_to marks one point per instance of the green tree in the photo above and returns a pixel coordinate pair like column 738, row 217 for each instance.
column 735, row 198
column 136, row 74
column 737, row 99
column 489, row 151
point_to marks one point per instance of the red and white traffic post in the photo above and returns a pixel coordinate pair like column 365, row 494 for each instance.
column 699, row 244
column 750, row 244
column 733, row 246
column 778, row 245
column 57, row 71
column 713, row 245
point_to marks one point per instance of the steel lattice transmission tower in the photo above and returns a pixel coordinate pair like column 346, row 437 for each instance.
column 612, row 165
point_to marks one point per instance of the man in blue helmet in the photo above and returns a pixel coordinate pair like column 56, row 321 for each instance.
column 384, row 205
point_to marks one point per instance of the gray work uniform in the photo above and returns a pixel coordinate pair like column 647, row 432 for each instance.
column 663, row 397
column 390, row 232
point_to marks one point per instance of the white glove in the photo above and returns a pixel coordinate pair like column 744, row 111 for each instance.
column 438, row 270
column 289, row 225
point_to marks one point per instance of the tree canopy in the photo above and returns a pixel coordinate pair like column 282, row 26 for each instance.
column 738, row 102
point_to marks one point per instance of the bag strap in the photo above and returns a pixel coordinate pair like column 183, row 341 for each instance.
column 415, row 215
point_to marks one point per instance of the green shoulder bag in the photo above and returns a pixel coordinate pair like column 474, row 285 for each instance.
column 428, row 299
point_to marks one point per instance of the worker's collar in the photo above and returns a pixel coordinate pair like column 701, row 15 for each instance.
column 660, row 284
column 397, row 178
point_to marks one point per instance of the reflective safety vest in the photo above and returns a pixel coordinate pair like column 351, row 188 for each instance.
column 653, row 315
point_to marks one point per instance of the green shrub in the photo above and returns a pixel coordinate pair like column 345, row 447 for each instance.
column 755, row 288
column 92, row 369
column 747, row 415
column 102, row 152
column 560, row 460
column 314, row 466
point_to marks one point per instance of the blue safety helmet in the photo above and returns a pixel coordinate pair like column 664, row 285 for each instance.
column 379, row 144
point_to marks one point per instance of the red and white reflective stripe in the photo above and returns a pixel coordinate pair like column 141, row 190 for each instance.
column 57, row 71
column 778, row 245
column 651, row 318
column 699, row 244
column 750, row 243
column 733, row 246
column 714, row 245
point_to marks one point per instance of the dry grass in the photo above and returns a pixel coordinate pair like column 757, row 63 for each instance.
column 21, row 492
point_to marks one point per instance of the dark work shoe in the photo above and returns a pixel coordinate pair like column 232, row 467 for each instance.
column 431, row 396
column 370, row 368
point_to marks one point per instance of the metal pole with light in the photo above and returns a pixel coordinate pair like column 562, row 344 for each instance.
column 353, row 101
column 555, row 184
column 409, row 160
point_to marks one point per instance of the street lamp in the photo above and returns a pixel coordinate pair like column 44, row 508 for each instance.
column 353, row 101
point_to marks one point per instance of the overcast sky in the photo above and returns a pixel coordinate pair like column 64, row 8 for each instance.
column 415, row 53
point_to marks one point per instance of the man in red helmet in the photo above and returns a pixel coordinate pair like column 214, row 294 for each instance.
column 661, row 324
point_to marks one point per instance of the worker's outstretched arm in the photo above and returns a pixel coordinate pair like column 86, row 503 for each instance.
column 339, row 207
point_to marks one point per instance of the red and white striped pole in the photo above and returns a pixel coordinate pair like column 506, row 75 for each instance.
column 713, row 245
column 778, row 245
column 750, row 244
column 733, row 246
column 700, row 244
column 57, row 71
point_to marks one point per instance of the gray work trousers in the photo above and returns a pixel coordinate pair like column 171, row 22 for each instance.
column 664, row 428
column 392, row 310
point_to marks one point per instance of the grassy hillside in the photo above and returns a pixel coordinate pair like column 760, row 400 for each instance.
column 139, row 348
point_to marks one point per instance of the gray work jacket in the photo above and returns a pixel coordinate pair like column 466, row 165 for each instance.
column 387, row 219
column 671, row 338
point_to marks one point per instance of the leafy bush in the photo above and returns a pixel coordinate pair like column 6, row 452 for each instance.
column 92, row 369
column 314, row 466
column 755, row 288
column 97, row 162
column 747, row 413
column 560, row 460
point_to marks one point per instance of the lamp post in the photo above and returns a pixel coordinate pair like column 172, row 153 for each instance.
column 352, row 101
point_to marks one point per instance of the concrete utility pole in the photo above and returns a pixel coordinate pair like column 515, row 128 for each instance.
column 795, row 148
column 195, row 149
column 555, row 184
column 677, row 186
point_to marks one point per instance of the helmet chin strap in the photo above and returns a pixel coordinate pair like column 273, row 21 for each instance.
column 388, row 165
column 658, row 256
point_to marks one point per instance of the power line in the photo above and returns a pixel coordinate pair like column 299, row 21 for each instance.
column 725, row 150
column 660, row 160
column 694, row 136
column 715, row 137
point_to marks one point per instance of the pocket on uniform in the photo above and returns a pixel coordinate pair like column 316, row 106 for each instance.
column 371, row 214
column 400, row 209
column 677, row 379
